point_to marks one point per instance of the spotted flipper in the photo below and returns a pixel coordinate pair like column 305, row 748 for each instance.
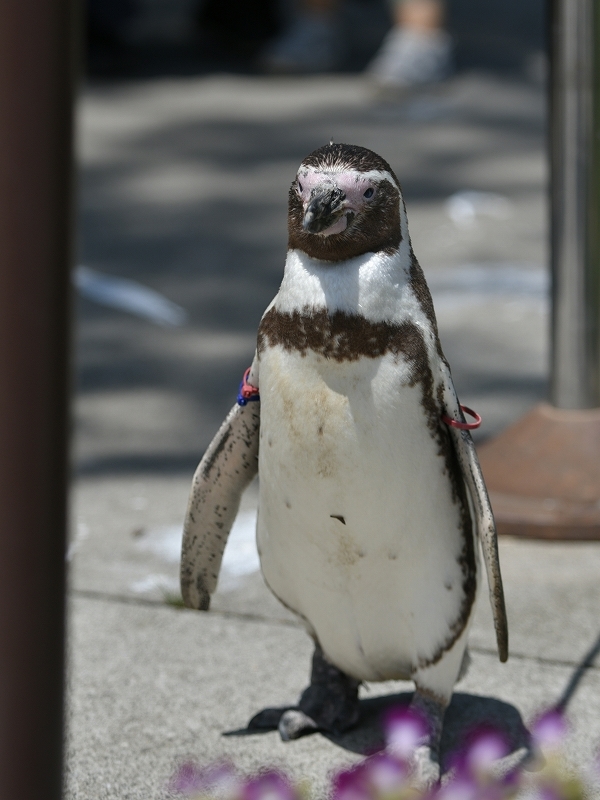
column 227, row 468
column 483, row 516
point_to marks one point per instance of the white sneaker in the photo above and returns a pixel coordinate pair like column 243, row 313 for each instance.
column 410, row 57
column 309, row 45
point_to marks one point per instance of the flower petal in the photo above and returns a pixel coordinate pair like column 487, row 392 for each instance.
column 549, row 730
column 405, row 730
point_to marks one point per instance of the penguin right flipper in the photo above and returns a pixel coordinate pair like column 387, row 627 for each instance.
column 483, row 515
column 227, row 468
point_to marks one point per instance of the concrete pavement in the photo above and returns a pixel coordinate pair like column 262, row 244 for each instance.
column 183, row 188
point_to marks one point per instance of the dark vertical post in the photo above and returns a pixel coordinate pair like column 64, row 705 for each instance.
column 575, row 202
column 36, row 93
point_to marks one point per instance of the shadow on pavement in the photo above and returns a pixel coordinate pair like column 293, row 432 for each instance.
column 466, row 713
column 154, row 463
column 586, row 662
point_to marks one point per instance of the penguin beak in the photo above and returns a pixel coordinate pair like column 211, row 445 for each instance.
column 325, row 207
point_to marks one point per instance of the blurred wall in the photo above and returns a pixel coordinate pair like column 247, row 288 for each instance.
column 497, row 34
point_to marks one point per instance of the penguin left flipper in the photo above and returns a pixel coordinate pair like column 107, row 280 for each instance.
column 482, row 511
column 227, row 468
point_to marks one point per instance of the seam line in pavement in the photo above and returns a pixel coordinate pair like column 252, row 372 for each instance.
column 90, row 594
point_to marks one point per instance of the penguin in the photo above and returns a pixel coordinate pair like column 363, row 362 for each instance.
column 372, row 505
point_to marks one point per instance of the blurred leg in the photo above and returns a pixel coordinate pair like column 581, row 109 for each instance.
column 419, row 14
column 310, row 44
column 417, row 50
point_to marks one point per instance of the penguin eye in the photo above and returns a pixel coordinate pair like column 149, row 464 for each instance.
column 299, row 187
column 369, row 193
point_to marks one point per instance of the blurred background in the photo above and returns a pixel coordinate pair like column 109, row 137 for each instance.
column 190, row 131
column 134, row 38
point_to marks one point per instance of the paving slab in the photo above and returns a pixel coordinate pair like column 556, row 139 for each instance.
column 152, row 686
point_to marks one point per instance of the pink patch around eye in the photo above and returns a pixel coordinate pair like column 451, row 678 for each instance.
column 354, row 187
column 352, row 184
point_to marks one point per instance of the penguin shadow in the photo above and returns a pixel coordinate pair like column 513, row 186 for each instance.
column 465, row 714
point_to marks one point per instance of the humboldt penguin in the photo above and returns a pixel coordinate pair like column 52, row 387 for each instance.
column 372, row 505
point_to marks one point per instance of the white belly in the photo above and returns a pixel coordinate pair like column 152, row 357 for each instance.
column 380, row 588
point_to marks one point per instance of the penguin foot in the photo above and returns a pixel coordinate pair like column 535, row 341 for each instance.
column 426, row 769
column 333, row 709
column 331, row 700
column 426, row 759
column 329, row 704
column 268, row 719
column 294, row 724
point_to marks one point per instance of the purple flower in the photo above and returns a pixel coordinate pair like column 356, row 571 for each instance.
column 549, row 730
column 381, row 775
column 221, row 778
column 188, row 779
column 485, row 786
column 269, row 785
column 486, row 749
column 388, row 775
column 384, row 774
column 474, row 768
column 350, row 784
column 547, row 791
column 461, row 788
column 405, row 729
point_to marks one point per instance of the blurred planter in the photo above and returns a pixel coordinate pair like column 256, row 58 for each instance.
column 543, row 474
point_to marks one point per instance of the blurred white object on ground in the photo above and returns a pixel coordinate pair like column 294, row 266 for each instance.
column 464, row 207
column 240, row 557
column 129, row 296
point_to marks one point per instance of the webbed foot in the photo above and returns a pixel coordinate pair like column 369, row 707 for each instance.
column 426, row 769
column 294, row 724
column 290, row 722
column 331, row 700
column 426, row 759
column 268, row 719
column 329, row 704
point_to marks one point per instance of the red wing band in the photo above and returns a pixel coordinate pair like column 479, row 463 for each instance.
column 464, row 426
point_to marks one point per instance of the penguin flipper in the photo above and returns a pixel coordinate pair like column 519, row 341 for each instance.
column 484, row 517
column 226, row 469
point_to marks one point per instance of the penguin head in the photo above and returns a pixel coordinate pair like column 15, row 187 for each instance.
column 344, row 202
